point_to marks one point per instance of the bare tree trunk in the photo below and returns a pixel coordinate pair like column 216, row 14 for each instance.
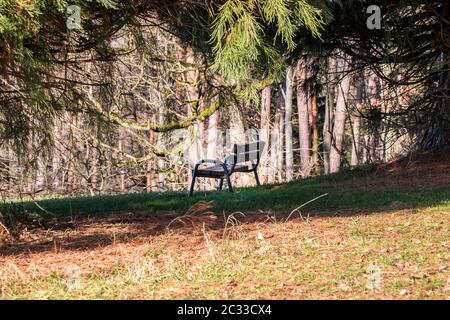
column 161, row 144
column 266, row 100
column 13, row 169
column 303, row 119
column 71, row 168
column 288, row 124
column 29, row 165
column 384, row 125
column 315, row 128
column 212, row 139
column 213, row 134
column 94, row 167
column 276, row 143
column 58, row 134
column 148, row 175
column 122, row 172
column 192, row 95
column 149, row 167
column 356, row 117
column 340, row 117
column 237, row 135
column 280, row 150
column 329, row 113
column 373, row 92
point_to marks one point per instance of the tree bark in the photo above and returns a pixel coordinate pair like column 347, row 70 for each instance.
column 356, row 117
column 340, row 117
column 213, row 135
column 315, row 127
column 303, row 120
column 329, row 113
column 71, row 159
column 150, row 164
column 280, row 150
column 276, row 143
column 266, row 100
column 122, row 171
column 288, row 124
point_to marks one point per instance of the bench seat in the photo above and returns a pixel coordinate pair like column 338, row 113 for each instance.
column 245, row 158
column 218, row 171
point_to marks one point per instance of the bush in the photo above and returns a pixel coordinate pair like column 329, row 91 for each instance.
column 15, row 220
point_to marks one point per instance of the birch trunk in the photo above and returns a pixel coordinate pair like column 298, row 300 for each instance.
column 356, row 117
column 288, row 124
column 329, row 113
column 280, row 150
column 303, row 119
column 266, row 98
column 315, row 128
column 340, row 117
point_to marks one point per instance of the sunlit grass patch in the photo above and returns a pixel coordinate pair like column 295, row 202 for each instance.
column 321, row 258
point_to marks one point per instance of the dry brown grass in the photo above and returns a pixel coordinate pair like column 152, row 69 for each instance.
column 253, row 254
column 251, row 257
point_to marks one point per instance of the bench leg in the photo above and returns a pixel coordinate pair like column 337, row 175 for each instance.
column 220, row 185
column 257, row 178
column 230, row 187
column 191, row 190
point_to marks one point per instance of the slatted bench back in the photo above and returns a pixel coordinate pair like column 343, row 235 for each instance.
column 248, row 152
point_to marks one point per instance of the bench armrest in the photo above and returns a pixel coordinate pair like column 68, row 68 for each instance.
column 207, row 161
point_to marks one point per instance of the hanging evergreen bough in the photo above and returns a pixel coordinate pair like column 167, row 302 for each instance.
column 39, row 55
column 38, row 51
column 250, row 37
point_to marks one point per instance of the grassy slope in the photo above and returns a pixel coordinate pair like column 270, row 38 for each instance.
column 350, row 190
column 324, row 258
column 400, row 227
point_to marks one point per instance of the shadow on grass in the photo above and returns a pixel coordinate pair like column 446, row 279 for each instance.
column 87, row 234
column 341, row 195
column 88, row 223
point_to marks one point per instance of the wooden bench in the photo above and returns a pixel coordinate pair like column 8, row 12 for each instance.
column 245, row 158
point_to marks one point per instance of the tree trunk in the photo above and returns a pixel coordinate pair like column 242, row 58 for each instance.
column 56, row 155
column 192, row 97
column 94, row 167
column 329, row 113
column 315, row 128
column 276, row 143
column 280, row 150
column 72, row 151
column 122, row 171
column 213, row 135
column 266, row 100
column 373, row 93
column 303, row 119
column 161, row 143
column 238, row 135
column 212, row 139
column 340, row 117
column 288, row 124
column 150, row 163
column 356, row 117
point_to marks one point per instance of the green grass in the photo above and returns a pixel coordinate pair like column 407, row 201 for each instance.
column 345, row 191
column 320, row 259
column 325, row 257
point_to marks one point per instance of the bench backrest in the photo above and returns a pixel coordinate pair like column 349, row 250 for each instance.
column 247, row 152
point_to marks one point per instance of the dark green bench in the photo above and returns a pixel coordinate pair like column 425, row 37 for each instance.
column 245, row 158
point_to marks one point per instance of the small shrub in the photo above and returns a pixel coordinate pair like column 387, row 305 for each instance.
column 15, row 220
